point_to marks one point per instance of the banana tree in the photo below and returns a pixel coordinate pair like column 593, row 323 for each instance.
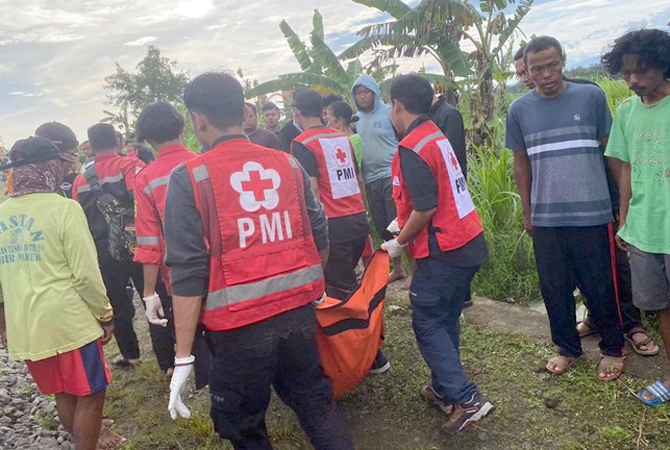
column 321, row 68
column 437, row 28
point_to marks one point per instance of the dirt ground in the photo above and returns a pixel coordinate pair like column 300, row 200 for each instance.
column 535, row 410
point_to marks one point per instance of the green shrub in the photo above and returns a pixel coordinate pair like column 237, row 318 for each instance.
column 509, row 274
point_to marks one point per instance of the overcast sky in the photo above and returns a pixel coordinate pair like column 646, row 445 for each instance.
column 54, row 55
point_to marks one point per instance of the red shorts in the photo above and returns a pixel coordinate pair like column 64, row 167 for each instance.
column 81, row 372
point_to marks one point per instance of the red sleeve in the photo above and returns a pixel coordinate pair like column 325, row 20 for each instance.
column 130, row 168
column 147, row 225
column 75, row 187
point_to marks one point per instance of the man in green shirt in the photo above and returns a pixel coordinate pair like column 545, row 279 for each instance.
column 639, row 156
column 54, row 312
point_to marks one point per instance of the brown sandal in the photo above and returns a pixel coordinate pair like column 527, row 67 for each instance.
column 611, row 368
column 590, row 329
column 560, row 367
column 637, row 346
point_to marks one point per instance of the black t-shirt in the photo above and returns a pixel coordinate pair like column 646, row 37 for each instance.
column 66, row 184
column 422, row 187
column 340, row 229
column 450, row 121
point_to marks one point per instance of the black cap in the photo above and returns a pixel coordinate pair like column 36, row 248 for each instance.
column 59, row 134
column 308, row 102
column 30, row 151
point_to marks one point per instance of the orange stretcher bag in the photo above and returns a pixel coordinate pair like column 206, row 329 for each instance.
column 350, row 330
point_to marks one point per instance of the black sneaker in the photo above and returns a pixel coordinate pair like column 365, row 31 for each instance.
column 467, row 414
column 380, row 365
column 429, row 393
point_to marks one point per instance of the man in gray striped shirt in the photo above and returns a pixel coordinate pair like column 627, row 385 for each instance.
column 558, row 132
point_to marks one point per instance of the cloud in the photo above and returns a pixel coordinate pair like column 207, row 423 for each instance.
column 141, row 41
column 57, row 54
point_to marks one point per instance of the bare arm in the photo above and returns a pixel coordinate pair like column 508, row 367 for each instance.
column 151, row 272
column 622, row 173
column 186, row 315
column 416, row 222
column 314, row 183
column 522, row 175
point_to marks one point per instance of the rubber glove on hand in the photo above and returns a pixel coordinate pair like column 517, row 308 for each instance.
column 154, row 312
column 393, row 248
column 182, row 371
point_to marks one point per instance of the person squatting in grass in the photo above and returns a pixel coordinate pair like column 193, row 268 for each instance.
column 639, row 156
column 443, row 233
column 54, row 312
column 557, row 133
column 251, row 287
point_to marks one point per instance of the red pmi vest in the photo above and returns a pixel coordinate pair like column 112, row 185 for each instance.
column 456, row 221
column 263, row 259
column 338, row 185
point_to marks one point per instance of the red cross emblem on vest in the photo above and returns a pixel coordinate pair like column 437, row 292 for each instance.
column 341, row 156
column 257, row 186
column 454, row 161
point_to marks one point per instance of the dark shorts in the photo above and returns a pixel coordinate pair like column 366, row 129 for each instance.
column 382, row 207
column 81, row 372
column 650, row 274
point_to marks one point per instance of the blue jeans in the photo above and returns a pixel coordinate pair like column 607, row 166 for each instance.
column 437, row 294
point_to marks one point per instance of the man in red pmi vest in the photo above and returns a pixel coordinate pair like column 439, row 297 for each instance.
column 441, row 228
column 245, row 242
column 328, row 158
column 161, row 125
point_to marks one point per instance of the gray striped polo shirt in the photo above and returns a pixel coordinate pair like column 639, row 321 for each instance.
column 562, row 139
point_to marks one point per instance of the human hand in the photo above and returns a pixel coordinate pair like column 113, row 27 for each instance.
column 154, row 310
column 182, row 371
column 527, row 224
column 107, row 331
column 393, row 248
column 623, row 245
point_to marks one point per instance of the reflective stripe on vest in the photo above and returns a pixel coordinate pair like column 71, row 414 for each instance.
column 243, row 292
column 263, row 259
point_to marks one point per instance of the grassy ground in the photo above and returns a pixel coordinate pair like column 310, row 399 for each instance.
column 535, row 410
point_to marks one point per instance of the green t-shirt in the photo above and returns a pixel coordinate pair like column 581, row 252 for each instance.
column 357, row 144
column 641, row 137
column 50, row 283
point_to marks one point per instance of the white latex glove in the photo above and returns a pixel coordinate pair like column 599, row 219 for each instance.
column 394, row 227
column 182, row 371
column 393, row 248
column 154, row 312
column 319, row 301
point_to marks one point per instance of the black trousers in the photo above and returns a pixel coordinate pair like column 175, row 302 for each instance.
column 280, row 352
column 115, row 275
column 570, row 256
column 382, row 206
column 631, row 316
column 340, row 271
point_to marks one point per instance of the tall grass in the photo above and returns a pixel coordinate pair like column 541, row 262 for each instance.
column 616, row 91
column 509, row 274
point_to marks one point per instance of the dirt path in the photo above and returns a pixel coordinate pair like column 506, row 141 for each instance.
column 534, row 410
